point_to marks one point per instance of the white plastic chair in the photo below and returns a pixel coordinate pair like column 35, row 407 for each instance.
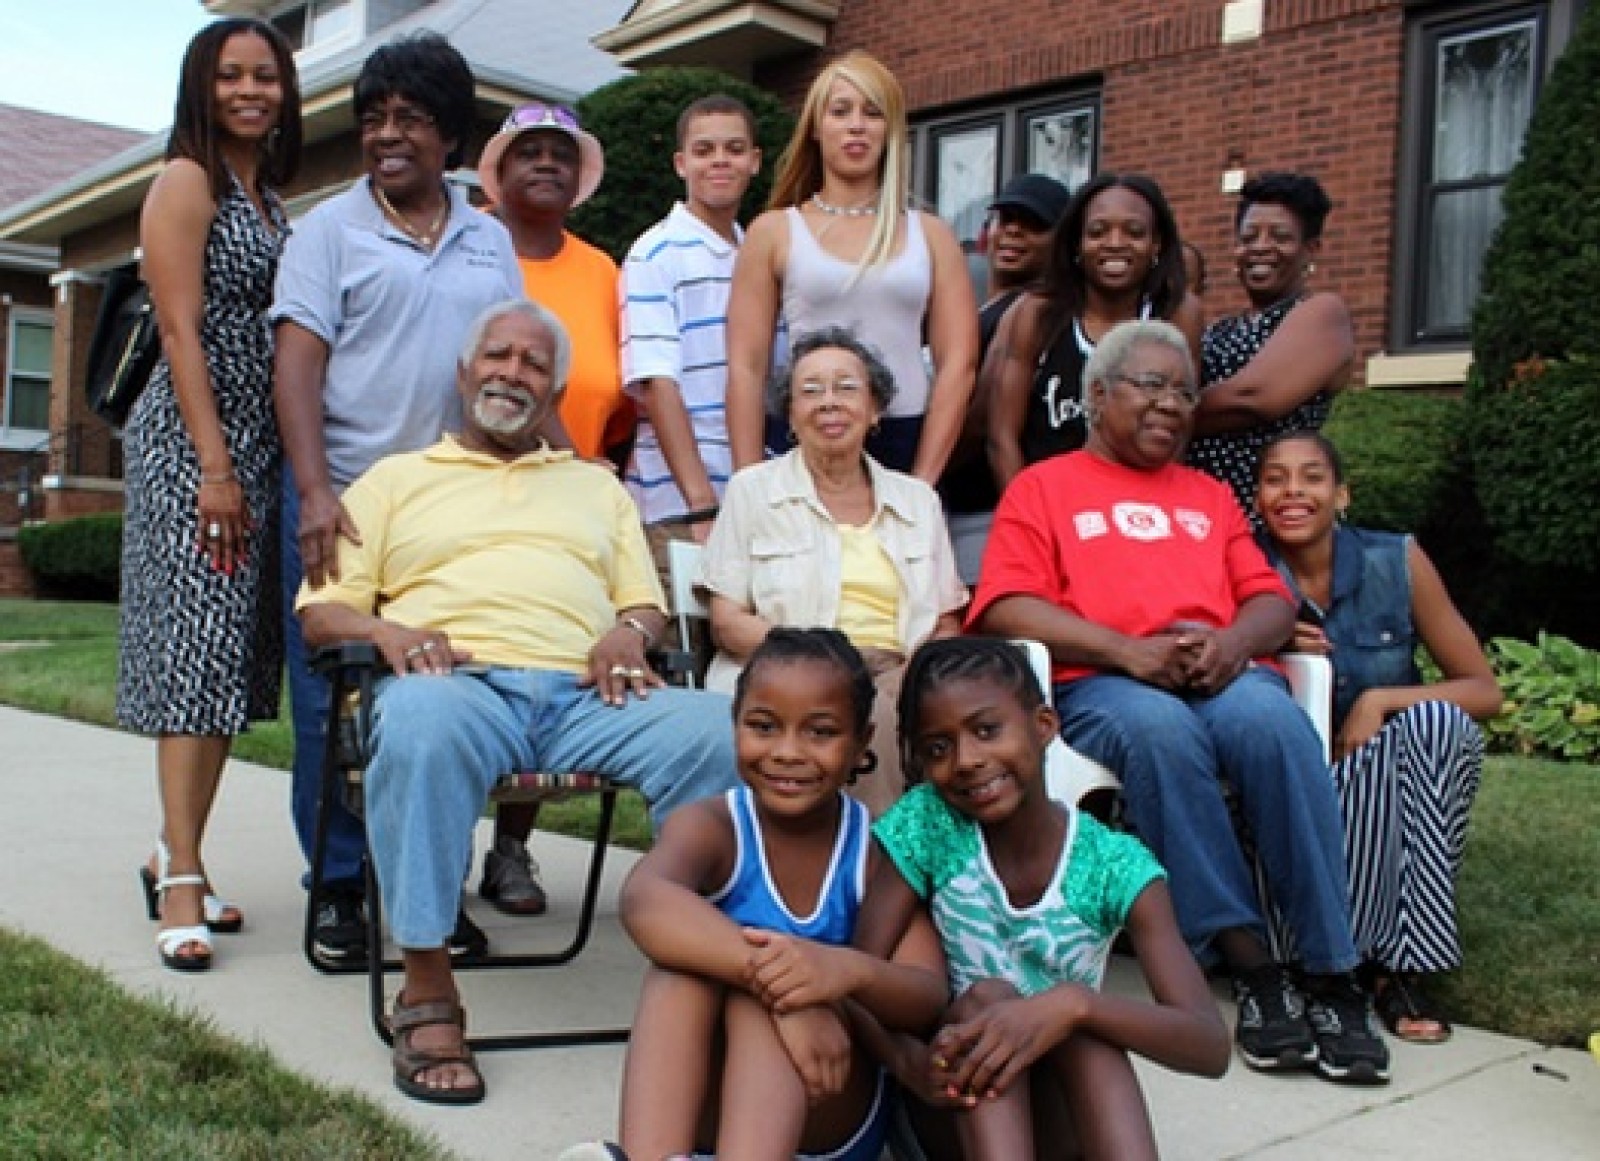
column 684, row 560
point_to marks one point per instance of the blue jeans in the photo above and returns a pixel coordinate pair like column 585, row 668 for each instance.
column 441, row 743
column 308, row 705
column 1174, row 753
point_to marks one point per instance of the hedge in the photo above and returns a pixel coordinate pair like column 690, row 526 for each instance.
column 80, row 559
column 1534, row 398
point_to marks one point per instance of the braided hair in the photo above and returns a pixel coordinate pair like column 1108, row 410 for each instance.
column 785, row 645
column 950, row 659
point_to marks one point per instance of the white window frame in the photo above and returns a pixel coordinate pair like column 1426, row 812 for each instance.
column 12, row 436
column 312, row 49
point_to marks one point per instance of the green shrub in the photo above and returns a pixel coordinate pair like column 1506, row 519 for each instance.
column 1532, row 400
column 79, row 558
column 1538, row 467
column 1552, row 707
column 1403, row 455
column 636, row 119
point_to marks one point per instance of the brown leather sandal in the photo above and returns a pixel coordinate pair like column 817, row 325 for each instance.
column 410, row 1062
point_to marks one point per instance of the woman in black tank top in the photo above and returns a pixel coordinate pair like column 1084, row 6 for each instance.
column 1116, row 257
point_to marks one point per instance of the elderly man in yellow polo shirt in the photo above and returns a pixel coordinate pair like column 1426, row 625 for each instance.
column 511, row 589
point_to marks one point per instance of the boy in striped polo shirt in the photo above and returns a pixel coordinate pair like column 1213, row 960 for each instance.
column 674, row 293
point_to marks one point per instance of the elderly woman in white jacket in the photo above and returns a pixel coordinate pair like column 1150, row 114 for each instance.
column 826, row 536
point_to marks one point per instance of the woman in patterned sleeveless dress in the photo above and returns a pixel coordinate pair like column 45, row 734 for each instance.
column 1277, row 367
column 840, row 245
column 201, row 651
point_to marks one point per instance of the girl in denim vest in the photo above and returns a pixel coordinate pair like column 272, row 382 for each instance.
column 1407, row 755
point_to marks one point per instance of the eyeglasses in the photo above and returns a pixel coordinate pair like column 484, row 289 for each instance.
column 405, row 118
column 1153, row 387
column 844, row 387
column 538, row 116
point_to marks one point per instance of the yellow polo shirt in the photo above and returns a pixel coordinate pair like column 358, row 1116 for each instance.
column 524, row 564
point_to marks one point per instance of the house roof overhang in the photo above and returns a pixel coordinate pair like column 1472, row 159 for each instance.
column 117, row 185
column 731, row 34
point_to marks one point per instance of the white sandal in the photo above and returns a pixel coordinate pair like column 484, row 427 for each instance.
column 222, row 917
column 170, row 941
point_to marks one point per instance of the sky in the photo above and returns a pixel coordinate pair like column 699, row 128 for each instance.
column 113, row 61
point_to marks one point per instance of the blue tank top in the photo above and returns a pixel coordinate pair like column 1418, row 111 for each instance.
column 750, row 897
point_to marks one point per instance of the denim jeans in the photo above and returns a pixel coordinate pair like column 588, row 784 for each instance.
column 441, row 743
column 308, row 706
column 1174, row 753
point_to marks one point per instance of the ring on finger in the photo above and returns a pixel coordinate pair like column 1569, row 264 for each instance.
column 415, row 651
column 636, row 674
column 428, row 646
column 620, row 671
column 213, row 530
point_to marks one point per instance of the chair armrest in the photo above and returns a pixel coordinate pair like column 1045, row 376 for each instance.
column 1068, row 775
column 351, row 668
column 346, row 655
column 1311, row 682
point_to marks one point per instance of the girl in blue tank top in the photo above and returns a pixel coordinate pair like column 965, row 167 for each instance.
column 742, row 891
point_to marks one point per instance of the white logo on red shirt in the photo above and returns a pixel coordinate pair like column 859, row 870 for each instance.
column 1141, row 521
column 1196, row 524
column 1090, row 524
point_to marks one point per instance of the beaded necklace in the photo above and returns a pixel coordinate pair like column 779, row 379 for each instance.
column 870, row 209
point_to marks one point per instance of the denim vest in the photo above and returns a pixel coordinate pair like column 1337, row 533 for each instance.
column 1369, row 621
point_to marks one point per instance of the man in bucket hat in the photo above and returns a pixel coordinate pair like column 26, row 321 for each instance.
column 536, row 170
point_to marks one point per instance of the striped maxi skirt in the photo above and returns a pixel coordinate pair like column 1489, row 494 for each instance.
column 1405, row 796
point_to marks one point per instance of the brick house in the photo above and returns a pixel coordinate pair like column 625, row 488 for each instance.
column 37, row 151
column 1410, row 113
column 520, row 50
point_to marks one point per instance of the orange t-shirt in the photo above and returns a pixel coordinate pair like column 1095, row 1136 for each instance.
column 579, row 286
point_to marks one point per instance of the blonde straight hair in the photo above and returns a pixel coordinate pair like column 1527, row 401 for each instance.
column 800, row 168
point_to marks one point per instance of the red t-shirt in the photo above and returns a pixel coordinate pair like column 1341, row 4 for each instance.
column 1133, row 551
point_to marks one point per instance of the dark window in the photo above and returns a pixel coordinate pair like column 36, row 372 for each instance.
column 960, row 160
column 1472, row 79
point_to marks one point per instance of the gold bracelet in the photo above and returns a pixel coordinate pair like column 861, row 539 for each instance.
column 223, row 478
column 640, row 628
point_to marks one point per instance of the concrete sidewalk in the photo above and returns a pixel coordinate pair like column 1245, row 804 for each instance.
column 79, row 815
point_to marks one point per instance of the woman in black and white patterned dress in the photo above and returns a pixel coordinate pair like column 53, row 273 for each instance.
column 1277, row 367
column 201, row 651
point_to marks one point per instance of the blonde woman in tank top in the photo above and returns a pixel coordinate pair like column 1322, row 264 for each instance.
column 839, row 245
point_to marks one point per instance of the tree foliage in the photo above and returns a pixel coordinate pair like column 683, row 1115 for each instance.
column 636, row 119
column 1534, row 395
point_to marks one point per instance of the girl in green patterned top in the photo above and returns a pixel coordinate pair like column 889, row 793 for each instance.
column 1027, row 895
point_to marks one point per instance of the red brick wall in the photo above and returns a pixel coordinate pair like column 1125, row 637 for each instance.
column 15, row 579
column 1319, row 92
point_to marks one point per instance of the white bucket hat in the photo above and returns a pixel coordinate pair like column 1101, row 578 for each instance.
column 526, row 118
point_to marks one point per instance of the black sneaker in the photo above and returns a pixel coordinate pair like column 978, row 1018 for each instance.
column 339, row 929
column 468, row 941
column 1273, row 1034
column 1349, row 1048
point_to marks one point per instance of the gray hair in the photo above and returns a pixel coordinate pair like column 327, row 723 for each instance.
column 880, row 381
column 539, row 314
column 1112, row 352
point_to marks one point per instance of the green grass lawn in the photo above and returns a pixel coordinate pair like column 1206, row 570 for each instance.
column 88, row 1070
column 1529, row 907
